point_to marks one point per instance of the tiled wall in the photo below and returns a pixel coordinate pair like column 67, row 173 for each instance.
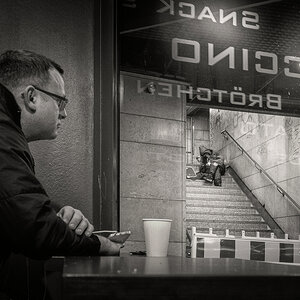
column 201, row 134
column 274, row 142
column 152, row 162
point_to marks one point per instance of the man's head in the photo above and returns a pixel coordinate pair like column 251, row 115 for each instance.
column 207, row 153
column 38, row 86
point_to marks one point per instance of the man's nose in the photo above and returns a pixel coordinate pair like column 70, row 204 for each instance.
column 63, row 114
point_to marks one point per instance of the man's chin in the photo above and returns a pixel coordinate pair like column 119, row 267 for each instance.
column 51, row 136
column 42, row 137
column 54, row 135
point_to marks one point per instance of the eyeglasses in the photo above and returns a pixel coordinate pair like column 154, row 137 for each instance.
column 61, row 101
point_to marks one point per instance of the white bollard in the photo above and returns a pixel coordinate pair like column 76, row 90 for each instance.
column 194, row 243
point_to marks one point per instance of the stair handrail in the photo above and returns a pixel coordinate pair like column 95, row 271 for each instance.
column 262, row 170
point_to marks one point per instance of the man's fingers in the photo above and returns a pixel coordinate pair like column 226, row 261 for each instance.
column 108, row 247
column 89, row 229
column 66, row 213
column 76, row 220
column 82, row 226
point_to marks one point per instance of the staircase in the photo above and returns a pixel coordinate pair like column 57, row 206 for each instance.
column 221, row 208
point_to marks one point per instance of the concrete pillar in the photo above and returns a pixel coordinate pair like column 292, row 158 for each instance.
column 152, row 162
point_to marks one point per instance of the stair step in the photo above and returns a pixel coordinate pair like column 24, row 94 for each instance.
column 236, row 233
column 192, row 196
column 245, row 225
column 217, row 203
column 221, row 210
column 207, row 184
column 199, row 181
column 213, row 190
column 194, row 217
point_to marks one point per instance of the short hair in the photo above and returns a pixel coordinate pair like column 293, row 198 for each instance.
column 19, row 67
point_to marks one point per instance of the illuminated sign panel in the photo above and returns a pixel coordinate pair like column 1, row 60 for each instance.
column 229, row 53
column 242, row 55
column 188, row 10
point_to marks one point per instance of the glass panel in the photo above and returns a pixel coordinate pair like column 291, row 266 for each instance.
column 190, row 70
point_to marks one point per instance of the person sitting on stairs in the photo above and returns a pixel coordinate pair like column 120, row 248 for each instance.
column 211, row 167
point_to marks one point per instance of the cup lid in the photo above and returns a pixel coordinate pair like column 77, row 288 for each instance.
column 162, row 220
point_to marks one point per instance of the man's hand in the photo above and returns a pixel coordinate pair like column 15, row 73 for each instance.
column 108, row 247
column 119, row 237
column 76, row 220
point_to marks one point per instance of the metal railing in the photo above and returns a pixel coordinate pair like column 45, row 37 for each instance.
column 261, row 170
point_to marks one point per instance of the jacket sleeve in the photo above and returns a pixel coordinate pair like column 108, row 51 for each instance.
column 32, row 228
column 28, row 223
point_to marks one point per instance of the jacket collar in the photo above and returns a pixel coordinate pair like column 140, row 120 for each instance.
column 9, row 106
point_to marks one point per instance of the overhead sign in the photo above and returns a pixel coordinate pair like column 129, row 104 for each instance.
column 241, row 57
column 234, row 100
column 248, row 19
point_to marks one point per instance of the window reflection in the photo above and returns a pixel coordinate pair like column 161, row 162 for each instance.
column 217, row 65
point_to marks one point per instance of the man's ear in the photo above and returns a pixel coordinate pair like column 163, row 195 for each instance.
column 29, row 97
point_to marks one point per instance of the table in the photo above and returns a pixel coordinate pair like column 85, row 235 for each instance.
column 137, row 277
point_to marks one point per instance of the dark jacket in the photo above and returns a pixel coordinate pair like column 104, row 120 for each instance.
column 28, row 223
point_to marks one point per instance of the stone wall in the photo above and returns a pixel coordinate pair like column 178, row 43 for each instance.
column 274, row 142
column 152, row 162
column 63, row 31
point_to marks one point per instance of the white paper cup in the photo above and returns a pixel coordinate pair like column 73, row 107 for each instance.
column 157, row 233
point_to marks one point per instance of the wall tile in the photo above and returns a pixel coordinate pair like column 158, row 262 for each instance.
column 134, row 210
column 150, row 105
column 288, row 171
column 257, row 181
column 152, row 130
column 152, row 171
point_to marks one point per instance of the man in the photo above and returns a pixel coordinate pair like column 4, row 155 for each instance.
column 32, row 107
column 212, row 167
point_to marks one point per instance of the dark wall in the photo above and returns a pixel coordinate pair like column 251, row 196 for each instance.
column 63, row 31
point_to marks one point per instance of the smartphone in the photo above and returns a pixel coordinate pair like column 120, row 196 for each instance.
column 105, row 233
column 114, row 236
column 119, row 237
